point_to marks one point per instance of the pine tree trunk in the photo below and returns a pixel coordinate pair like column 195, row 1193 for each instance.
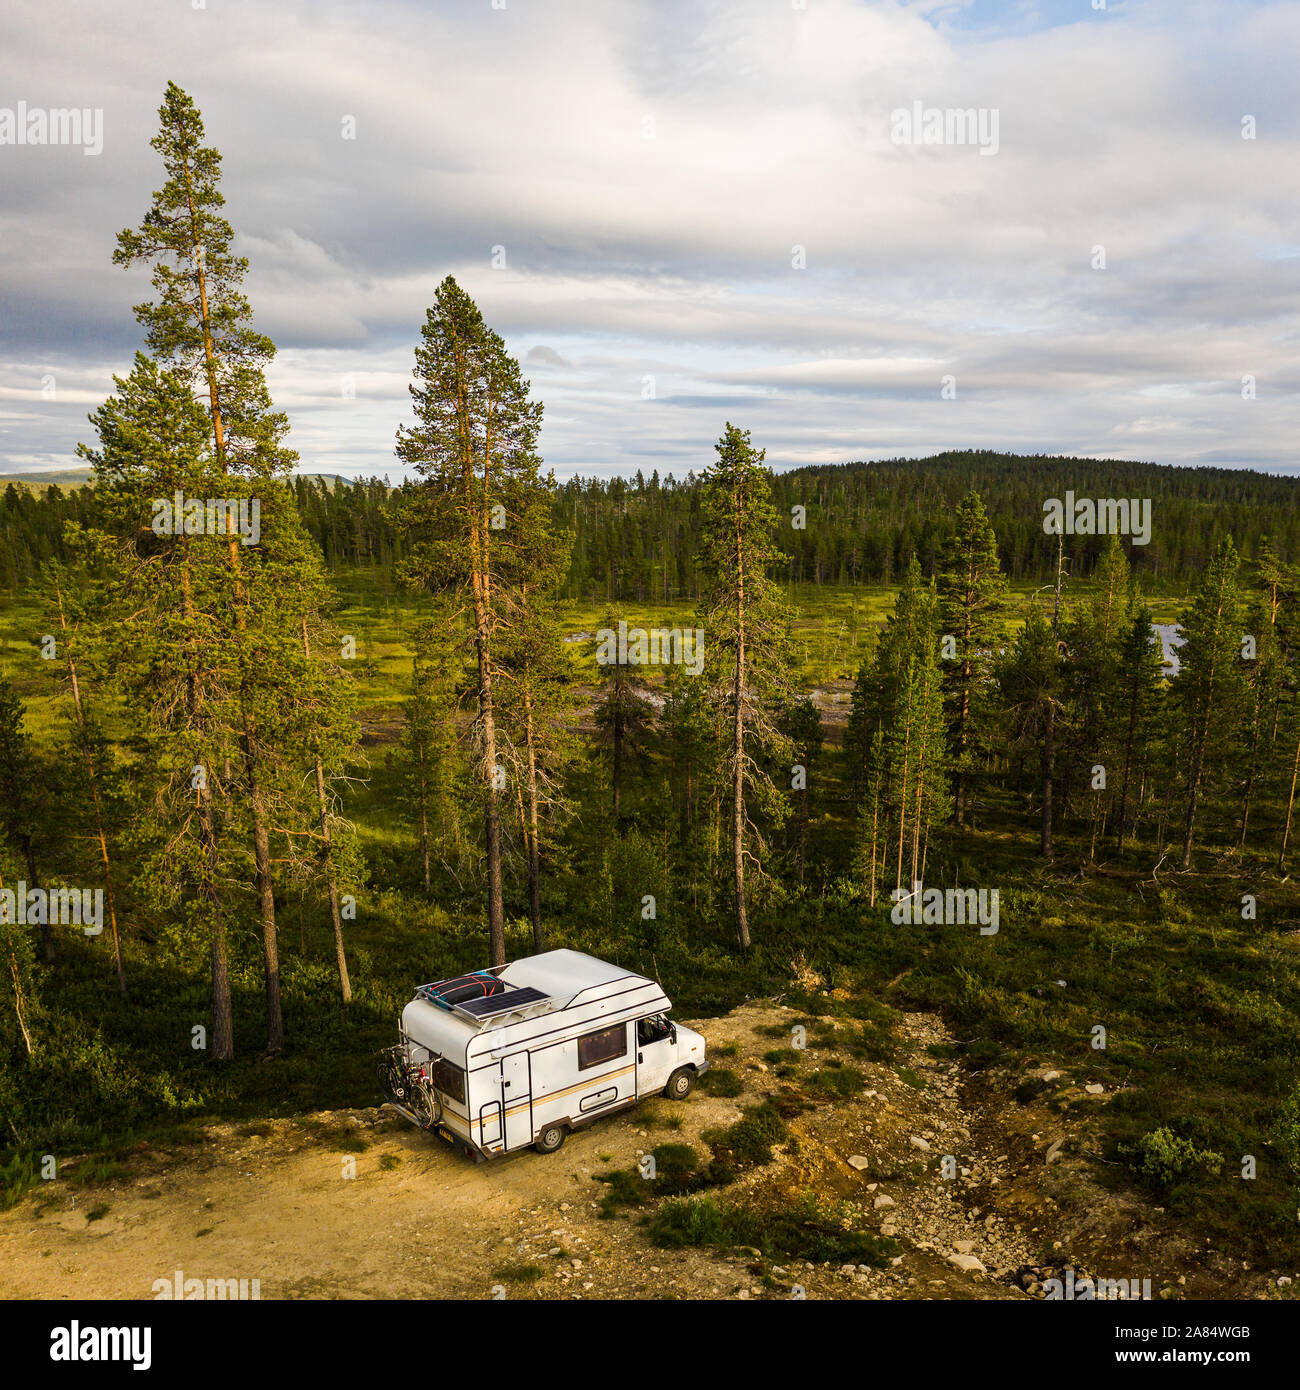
column 617, row 732
column 93, row 783
column 424, row 817
column 261, row 837
column 223, row 1034
column 902, row 789
column 1193, row 798
column 33, row 881
column 1049, row 731
column 223, row 1039
column 1128, row 764
column 487, row 716
column 738, row 750
column 20, row 1012
column 1049, row 757
column 1290, row 805
column 322, row 802
column 266, row 899
column 1252, row 769
column 345, row 983
column 534, row 847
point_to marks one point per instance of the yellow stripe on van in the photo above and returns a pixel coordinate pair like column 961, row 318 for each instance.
column 557, row 1095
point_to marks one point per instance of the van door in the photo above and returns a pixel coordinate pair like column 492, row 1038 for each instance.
column 517, row 1100
column 656, row 1054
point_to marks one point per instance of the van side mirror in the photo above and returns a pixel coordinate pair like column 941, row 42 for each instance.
column 672, row 1033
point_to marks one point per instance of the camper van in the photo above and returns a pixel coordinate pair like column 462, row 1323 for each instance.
column 517, row 1056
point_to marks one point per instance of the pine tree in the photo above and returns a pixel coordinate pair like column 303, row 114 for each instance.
column 860, row 725
column 1092, row 642
column 909, row 761
column 624, row 715
column 972, row 599
column 428, row 743
column 1261, row 679
column 1029, row 680
column 25, row 809
column 315, row 720
column 170, row 633
column 202, row 323
column 474, row 447
column 18, row 979
column 1207, row 690
column 66, row 600
column 802, row 725
column 746, row 623
column 537, row 702
column 1138, row 707
column 871, row 813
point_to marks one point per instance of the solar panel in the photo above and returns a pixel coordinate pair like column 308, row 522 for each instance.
column 447, row 994
column 504, row 1003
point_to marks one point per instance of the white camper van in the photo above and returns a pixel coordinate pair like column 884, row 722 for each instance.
column 501, row 1059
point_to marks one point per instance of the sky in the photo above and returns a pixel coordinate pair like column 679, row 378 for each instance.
column 683, row 214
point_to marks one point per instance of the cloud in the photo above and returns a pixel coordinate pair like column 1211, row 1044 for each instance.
column 649, row 170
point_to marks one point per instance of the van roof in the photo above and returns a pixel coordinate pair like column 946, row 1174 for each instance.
column 541, row 984
column 562, row 974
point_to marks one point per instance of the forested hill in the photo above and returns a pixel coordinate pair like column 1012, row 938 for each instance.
column 635, row 538
column 864, row 520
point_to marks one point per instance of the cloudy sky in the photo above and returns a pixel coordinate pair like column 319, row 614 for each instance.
column 707, row 211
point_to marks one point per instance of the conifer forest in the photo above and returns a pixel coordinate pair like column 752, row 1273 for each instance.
column 951, row 793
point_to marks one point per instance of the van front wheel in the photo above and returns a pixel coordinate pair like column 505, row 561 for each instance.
column 680, row 1084
column 550, row 1139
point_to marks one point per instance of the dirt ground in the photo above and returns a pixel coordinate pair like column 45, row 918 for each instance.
column 417, row 1221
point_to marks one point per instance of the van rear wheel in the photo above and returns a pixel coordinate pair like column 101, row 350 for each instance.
column 680, row 1084
column 550, row 1139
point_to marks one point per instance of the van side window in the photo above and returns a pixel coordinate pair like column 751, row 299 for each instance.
column 449, row 1079
column 652, row 1030
column 605, row 1046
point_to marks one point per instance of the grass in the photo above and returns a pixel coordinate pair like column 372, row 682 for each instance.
column 718, row 1081
column 798, row 1232
column 677, row 1169
column 837, row 1083
column 98, row 1168
column 1202, row 1010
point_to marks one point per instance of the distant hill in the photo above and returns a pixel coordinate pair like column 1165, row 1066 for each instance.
column 79, row 477
column 42, row 478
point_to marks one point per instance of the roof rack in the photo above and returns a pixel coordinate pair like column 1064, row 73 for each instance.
column 484, row 1000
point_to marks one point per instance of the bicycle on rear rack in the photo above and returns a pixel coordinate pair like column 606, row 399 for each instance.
column 410, row 1087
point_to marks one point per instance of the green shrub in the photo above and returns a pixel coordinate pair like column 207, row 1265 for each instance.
column 795, row 1232
column 98, row 1168
column 678, row 1170
column 721, row 1082
column 1163, row 1158
column 16, row 1177
column 748, row 1142
column 837, row 1082
column 1287, row 1131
